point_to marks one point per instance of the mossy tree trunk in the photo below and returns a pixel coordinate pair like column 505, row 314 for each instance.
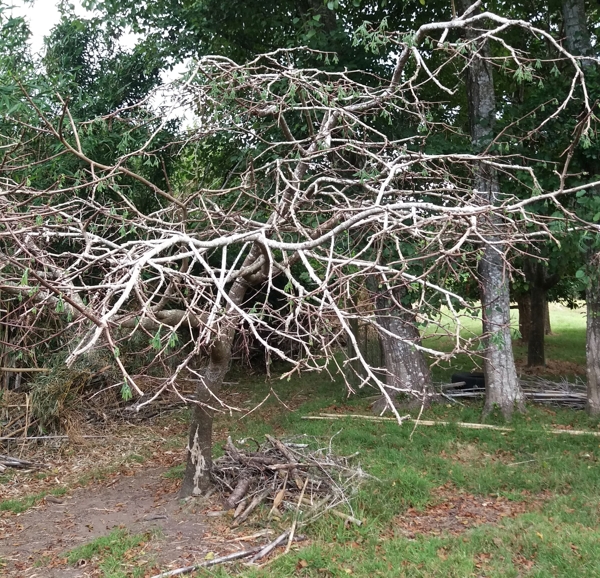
column 407, row 370
column 502, row 385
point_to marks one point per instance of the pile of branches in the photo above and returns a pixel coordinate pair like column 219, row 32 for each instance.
column 536, row 389
column 286, row 475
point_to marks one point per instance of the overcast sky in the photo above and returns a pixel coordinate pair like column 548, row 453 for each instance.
column 43, row 15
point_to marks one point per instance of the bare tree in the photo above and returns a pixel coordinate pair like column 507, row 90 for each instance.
column 302, row 220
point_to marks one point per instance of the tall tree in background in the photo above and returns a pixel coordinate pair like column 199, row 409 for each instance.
column 578, row 42
column 502, row 385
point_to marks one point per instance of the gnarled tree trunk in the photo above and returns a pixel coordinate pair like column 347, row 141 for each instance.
column 407, row 369
column 502, row 385
column 197, row 477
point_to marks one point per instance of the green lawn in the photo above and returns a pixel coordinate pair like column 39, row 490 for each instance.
column 553, row 481
column 548, row 484
column 566, row 345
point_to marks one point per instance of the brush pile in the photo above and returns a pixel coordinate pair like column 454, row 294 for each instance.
column 286, row 475
column 536, row 389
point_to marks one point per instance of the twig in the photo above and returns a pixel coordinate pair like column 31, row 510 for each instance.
column 24, row 439
column 347, row 517
column 11, row 462
column 208, row 563
column 269, row 547
column 467, row 425
column 25, row 369
column 295, row 522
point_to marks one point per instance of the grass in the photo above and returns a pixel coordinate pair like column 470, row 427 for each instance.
column 566, row 344
column 553, row 479
column 115, row 554
column 560, row 536
column 23, row 504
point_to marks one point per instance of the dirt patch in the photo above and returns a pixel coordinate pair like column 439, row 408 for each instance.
column 456, row 511
column 34, row 543
column 470, row 453
column 554, row 368
column 116, row 481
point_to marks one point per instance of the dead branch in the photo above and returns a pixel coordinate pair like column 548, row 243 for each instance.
column 10, row 462
column 209, row 563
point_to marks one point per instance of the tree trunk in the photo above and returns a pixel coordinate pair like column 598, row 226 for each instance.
column 524, row 304
column 407, row 369
column 577, row 35
column 197, row 477
column 502, row 386
column 547, row 324
column 578, row 42
column 536, row 356
column 540, row 282
column 592, row 349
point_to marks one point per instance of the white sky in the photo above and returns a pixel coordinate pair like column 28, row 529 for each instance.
column 42, row 16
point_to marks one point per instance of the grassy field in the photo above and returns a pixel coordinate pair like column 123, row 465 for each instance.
column 565, row 347
column 443, row 501
column 549, row 486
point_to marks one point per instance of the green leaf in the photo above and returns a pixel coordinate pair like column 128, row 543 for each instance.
column 316, row 17
column 422, row 2
column 126, row 394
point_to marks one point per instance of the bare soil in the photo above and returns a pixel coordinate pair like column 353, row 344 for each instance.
column 109, row 484
column 35, row 542
column 456, row 511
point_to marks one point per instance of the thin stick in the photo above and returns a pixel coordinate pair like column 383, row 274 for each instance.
column 24, row 439
column 25, row 369
column 347, row 517
column 295, row 522
column 11, row 462
column 467, row 425
column 208, row 563
column 269, row 547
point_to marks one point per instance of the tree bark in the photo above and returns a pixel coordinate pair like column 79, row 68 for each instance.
column 502, row 385
column 540, row 283
column 536, row 355
column 577, row 36
column 524, row 304
column 578, row 42
column 592, row 349
column 406, row 367
column 547, row 324
column 197, row 476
